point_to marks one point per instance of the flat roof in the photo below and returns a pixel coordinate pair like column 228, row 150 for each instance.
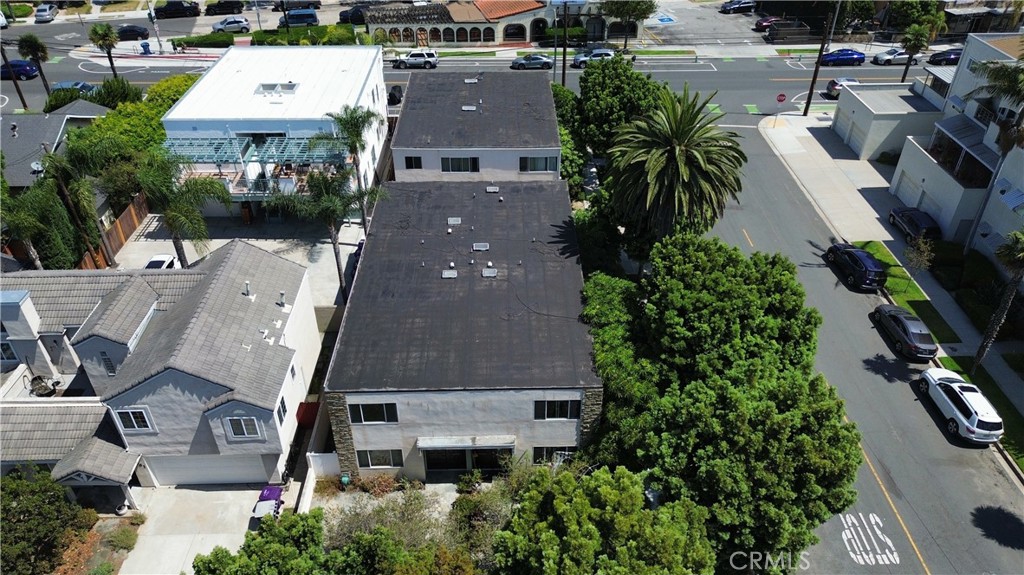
column 1009, row 44
column 408, row 327
column 279, row 83
column 508, row 110
column 891, row 98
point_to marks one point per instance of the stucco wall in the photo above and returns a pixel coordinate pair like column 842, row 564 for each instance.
column 495, row 165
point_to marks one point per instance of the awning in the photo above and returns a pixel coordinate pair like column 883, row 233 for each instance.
column 967, row 11
column 970, row 135
column 944, row 73
column 467, row 442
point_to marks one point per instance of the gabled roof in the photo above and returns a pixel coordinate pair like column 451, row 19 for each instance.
column 82, row 109
column 495, row 10
column 46, row 431
column 118, row 315
column 100, row 455
column 409, row 328
column 508, row 110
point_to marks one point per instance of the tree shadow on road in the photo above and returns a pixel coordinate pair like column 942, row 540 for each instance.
column 892, row 370
column 1000, row 525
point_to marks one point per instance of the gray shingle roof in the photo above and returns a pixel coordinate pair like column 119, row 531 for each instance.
column 408, row 328
column 101, row 455
column 118, row 315
column 46, row 431
column 518, row 111
column 35, row 129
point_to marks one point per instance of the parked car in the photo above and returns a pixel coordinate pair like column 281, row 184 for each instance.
column 860, row 269
column 288, row 5
column 23, row 70
column 533, row 61
column 946, row 57
column 46, row 13
column 894, row 56
column 82, row 87
column 225, row 7
column 836, row 85
column 163, row 262
column 765, row 23
column 233, row 24
column 843, row 57
column 3, row 21
column 303, row 17
column 909, row 334
column 354, row 15
column 259, row 4
column 968, row 413
column 580, row 60
column 915, row 224
column 736, row 6
column 417, row 59
column 126, row 32
column 177, row 9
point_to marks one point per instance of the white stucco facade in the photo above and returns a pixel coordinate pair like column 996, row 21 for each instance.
column 876, row 118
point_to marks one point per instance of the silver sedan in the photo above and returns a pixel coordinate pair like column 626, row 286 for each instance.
column 533, row 61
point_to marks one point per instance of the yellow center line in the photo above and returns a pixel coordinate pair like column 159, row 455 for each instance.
column 746, row 235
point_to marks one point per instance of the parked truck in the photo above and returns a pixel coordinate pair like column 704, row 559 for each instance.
column 788, row 32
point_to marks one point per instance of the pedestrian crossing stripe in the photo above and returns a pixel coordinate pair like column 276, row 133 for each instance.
column 752, row 108
column 714, row 108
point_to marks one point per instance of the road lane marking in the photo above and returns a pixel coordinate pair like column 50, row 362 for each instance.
column 752, row 108
column 714, row 109
column 746, row 235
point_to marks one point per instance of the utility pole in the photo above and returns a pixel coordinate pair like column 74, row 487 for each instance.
column 565, row 38
column 14, row 77
column 832, row 29
column 156, row 27
column 817, row 68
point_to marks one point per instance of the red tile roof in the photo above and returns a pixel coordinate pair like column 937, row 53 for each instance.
column 498, row 9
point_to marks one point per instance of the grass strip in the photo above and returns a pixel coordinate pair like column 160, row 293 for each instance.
column 467, row 54
column 790, row 51
column 129, row 6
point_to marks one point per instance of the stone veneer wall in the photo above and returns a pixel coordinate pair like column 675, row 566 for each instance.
column 337, row 409
column 590, row 416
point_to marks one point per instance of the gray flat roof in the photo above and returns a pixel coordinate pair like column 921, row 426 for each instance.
column 511, row 110
column 891, row 98
column 409, row 328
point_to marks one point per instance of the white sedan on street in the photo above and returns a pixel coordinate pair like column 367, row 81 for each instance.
column 894, row 56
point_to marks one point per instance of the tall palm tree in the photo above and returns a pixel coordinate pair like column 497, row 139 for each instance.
column 329, row 198
column 936, row 24
column 914, row 41
column 173, row 191
column 351, row 125
column 674, row 167
column 31, row 47
column 21, row 218
column 1011, row 255
column 104, row 37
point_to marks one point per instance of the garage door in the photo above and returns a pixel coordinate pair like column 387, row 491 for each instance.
column 842, row 124
column 907, row 190
column 205, row 469
column 931, row 206
column 857, row 136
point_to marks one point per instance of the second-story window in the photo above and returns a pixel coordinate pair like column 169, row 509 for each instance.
column 373, row 413
column 557, row 409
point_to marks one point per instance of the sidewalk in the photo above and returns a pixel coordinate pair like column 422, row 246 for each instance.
column 853, row 198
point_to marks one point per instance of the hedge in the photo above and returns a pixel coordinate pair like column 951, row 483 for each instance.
column 574, row 33
column 20, row 10
column 214, row 40
column 330, row 35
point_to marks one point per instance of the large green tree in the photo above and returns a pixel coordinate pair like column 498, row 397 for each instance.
column 1011, row 255
column 351, row 125
column 23, row 217
column 629, row 11
column 611, row 94
column 31, row 47
column 36, row 517
column 903, row 13
column 915, row 41
column 104, row 37
column 600, row 523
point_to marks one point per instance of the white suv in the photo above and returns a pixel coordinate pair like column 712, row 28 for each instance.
column 968, row 413
column 417, row 59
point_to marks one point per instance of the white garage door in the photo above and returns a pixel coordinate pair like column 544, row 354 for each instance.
column 907, row 190
column 930, row 205
column 205, row 469
column 857, row 136
column 842, row 124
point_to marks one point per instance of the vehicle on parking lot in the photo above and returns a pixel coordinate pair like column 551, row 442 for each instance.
column 233, row 24
column 860, row 269
column 968, row 413
column 843, row 57
column 836, row 85
column 224, row 7
column 81, row 87
column 354, row 15
column 894, row 56
column 259, row 4
column 177, row 9
column 946, row 57
column 23, row 70
column 127, row 32
column 737, row 6
column 417, row 59
column 46, row 13
column 288, row 5
column 163, row 262
column 909, row 334
column 533, row 61
column 765, row 23
column 582, row 59
column 915, row 224
column 303, row 17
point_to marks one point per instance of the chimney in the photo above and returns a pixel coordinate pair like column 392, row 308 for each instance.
column 246, row 292
column 280, row 302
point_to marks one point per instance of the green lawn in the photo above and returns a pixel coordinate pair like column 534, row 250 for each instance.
column 906, row 293
column 663, row 52
column 1013, row 421
column 467, row 54
column 129, row 6
column 788, row 51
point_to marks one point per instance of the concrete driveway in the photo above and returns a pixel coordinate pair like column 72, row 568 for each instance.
column 182, row 522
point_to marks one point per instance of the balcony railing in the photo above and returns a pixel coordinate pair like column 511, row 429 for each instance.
column 967, row 170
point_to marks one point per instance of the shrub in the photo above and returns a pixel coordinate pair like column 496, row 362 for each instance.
column 214, row 40
column 20, row 10
column 60, row 98
column 327, row 486
column 469, row 482
column 122, row 539
column 377, row 485
column 114, row 92
column 979, row 271
column 889, row 158
column 948, row 253
column 105, row 568
column 137, row 519
column 334, row 35
column 575, row 33
column 86, row 518
column 947, row 276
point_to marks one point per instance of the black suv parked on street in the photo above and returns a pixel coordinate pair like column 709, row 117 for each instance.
column 177, row 9
column 859, row 269
column 225, row 7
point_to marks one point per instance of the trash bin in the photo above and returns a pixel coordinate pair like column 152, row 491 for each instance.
column 145, row 49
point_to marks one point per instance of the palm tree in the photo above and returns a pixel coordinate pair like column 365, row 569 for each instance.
column 173, row 191
column 1011, row 255
column 351, row 125
column 914, row 41
column 75, row 191
column 936, row 24
column 21, row 217
column 104, row 37
column 329, row 198
column 31, row 47
column 674, row 167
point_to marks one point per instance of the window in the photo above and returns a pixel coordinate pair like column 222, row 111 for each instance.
column 549, row 164
column 108, row 363
column 984, row 115
column 134, row 420
column 546, row 454
column 7, row 352
column 293, row 372
column 373, row 413
column 282, row 410
column 558, row 409
column 379, row 458
column 460, row 164
column 413, row 163
column 243, row 427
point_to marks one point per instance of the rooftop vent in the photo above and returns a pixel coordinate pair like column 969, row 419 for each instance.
column 489, row 273
column 454, row 221
column 277, row 88
column 481, row 247
column 492, row 189
column 471, row 80
column 469, row 108
column 449, row 274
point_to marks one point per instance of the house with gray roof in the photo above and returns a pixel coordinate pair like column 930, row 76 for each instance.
column 202, row 370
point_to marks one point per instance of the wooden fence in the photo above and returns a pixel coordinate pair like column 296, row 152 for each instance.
column 117, row 235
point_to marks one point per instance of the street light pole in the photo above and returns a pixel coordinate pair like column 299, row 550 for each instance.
column 832, row 29
column 156, row 28
column 817, row 68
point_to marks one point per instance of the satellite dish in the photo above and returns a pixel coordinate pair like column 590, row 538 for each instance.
column 37, row 166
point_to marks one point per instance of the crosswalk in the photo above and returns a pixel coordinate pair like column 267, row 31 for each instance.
column 756, row 110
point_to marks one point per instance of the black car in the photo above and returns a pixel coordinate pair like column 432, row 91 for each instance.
column 177, row 9
column 225, row 7
column 296, row 4
column 736, row 6
column 915, row 224
column 909, row 334
column 946, row 57
column 354, row 15
column 859, row 268
column 127, row 32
